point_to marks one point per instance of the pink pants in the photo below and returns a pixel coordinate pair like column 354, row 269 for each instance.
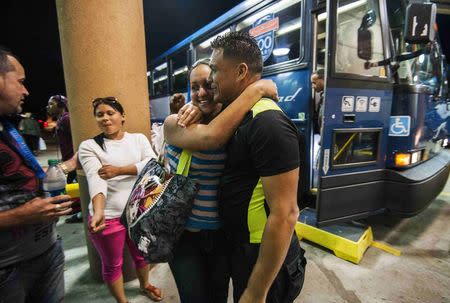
column 109, row 244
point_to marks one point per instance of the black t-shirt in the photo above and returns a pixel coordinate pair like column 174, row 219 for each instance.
column 265, row 144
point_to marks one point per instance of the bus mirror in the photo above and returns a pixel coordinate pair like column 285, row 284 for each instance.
column 420, row 23
column 364, row 44
column 369, row 19
column 365, row 36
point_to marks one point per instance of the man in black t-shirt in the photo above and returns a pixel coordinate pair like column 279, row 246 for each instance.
column 258, row 200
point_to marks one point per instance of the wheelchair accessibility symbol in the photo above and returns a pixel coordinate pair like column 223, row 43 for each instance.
column 399, row 126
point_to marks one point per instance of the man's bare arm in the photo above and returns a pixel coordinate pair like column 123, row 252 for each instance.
column 281, row 195
column 222, row 127
column 35, row 211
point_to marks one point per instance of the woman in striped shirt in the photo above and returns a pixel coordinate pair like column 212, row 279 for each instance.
column 201, row 266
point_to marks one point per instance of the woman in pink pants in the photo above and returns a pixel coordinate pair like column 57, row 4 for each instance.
column 111, row 161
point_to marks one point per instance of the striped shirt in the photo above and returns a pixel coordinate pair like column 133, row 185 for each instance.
column 206, row 169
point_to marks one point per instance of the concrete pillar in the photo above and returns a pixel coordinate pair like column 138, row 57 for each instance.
column 103, row 50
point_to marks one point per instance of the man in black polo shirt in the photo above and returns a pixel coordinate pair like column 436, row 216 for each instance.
column 258, row 200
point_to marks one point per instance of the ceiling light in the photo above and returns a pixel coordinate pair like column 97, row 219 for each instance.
column 180, row 70
column 161, row 67
column 288, row 29
column 282, row 51
column 206, row 44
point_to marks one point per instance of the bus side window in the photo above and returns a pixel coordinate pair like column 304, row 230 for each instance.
column 160, row 80
column 277, row 31
column 203, row 49
column 179, row 72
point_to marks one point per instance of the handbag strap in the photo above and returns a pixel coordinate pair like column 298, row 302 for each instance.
column 162, row 153
column 184, row 163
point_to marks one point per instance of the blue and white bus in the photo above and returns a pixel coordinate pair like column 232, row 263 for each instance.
column 385, row 106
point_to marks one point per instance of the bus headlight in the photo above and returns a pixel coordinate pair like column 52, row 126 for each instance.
column 407, row 159
column 402, row 159
column 415, row 157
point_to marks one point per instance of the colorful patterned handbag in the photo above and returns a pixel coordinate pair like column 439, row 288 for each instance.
column 158, row 208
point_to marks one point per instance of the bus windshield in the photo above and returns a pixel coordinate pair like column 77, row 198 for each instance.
column 425, row 69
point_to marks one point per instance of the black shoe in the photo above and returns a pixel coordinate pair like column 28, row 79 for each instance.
column 75, row 218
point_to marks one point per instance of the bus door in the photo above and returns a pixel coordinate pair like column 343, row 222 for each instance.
column 356, row 110
column 318, row 64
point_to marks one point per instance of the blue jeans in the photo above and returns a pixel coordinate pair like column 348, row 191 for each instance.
column 40, row 279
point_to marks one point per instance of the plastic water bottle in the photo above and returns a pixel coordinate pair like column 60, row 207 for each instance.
column 54, row 183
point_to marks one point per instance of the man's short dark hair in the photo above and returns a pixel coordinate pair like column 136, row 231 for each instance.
column 5, row 64
column 320, row 73
column 242, row 47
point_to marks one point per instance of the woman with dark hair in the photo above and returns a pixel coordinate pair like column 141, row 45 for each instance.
column 57, row 108
column 201, row 264
column 111, row 161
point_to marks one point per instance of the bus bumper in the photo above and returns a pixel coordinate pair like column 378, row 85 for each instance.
column 403, row 193
column 409, row 192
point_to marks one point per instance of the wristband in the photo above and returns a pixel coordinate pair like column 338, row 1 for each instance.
column 64, row 168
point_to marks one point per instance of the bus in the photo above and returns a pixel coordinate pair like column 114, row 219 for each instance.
column 385, row 102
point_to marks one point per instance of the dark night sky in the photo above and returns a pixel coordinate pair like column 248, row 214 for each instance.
column 30, row 30
column 167, row 22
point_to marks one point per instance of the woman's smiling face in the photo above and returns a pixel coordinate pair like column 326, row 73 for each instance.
column 201, row 93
